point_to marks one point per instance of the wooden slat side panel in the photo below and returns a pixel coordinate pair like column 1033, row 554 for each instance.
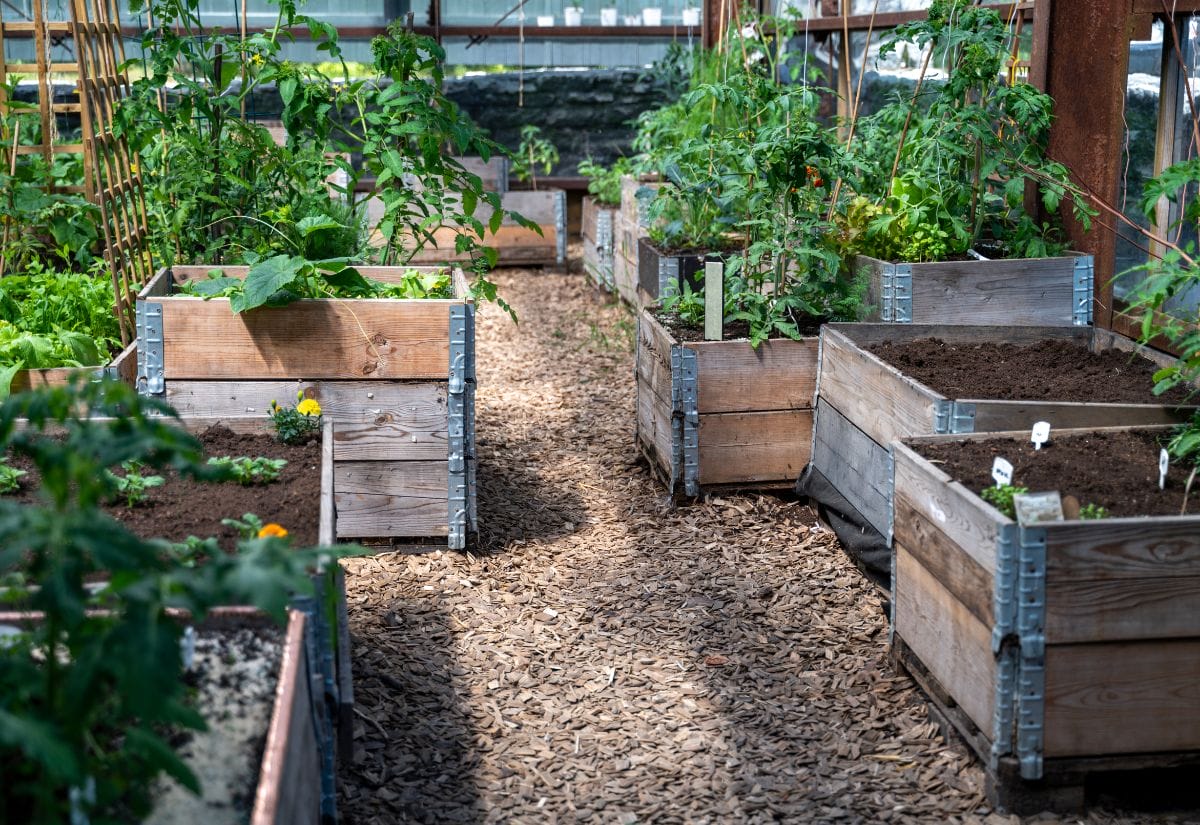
column 1122, row 609
column 873, row 395
column 158, row 286
column 1103, row 339
column 347, row 339
column 654, row 356
column 1125, row 697
column 954, row 568
column 854, row 464
column 1129, row 548
column 381, row 498
column 514, row 244
column 375, row 419
column 778, row 375
column 866, row 335
column 125, row 365
column 589, row 219
column 966, row 520
column 654, row 427
column 54, row 377
column 738, row 448
column 953, row 645
column 181, row 273
column 998, row 416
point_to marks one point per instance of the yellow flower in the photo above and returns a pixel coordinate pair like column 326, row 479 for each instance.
column 257, row 59
column 272, row 530
column 308, row 406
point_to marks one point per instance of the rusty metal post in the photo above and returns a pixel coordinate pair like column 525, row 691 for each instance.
column 1086, row 69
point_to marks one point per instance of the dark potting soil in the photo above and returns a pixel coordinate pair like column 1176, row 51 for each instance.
column 732, row 330
column 1047, row 370
column 1117, row 471
column 184, row 507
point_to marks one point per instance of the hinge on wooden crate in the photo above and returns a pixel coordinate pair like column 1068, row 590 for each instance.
column 456, row 428
column 1004, row 595
column 1084, row 284
column 643, row 195
column 560, row 227
column 1006, row 687
column 891, row 498
column 1004, row 608
column 1031, row 671
column 668, row 276
column 896, row 306
column 676, row 417
column 502, row 176
column 689, row 383
column 953, row 417
column 148, row 320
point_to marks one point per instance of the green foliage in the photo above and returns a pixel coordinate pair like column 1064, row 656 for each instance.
column 1002, row 498
column 604, row 182
column 132, row 486
column 247, row 471
column 1091, row 512
column 248, row 526
column 533, row 152
column 296, row 424
column 969, row 149
column 10, row 477
column 88, row 698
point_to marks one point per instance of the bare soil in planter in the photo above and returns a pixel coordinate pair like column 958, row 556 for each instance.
column 1048, row 370
column 184, row 507
column 232, row 681
column 1118, row 471
column 731, row 331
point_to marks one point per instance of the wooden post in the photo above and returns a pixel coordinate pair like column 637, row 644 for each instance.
column 714, row 300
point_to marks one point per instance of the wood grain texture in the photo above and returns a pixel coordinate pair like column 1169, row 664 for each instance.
column 654, row 356
column 655, row 428
column 953, row 645
column 1123, row 697
column 1127, row 548
column 1122, row 609
column 743, row 448
column 995, row 416
column 374, row 339
column 966, row 520
column 382, row 498
column 375, row 419
column 866, row 335
column 873, row 395
column 629, row 201
column 854, row 464
column 734, row 377
column 1031, row 292
column 960, row 574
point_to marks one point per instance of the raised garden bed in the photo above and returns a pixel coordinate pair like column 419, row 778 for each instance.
column 864, row 402
column 661, row 273
column 713, row 413
column 395, row 376
column 596, row 229
column 629, row 226
column 1029, row 292
column 1060, row 650
column 122, row 368
column 516, row 245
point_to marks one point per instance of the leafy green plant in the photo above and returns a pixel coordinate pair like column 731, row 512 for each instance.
column 297, row 424
column 132, row 486
column 89, row 700
column 1001, row 498
column 953, row 175
column 247, row 471
column 604, row 182
column 1091, row 512
column 192, row 550
column 10, row 477
column 533, row 152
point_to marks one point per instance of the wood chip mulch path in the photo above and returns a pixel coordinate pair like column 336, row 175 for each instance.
column 602, row 656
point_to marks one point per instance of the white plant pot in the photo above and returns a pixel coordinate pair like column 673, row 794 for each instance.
column 572, row 16
column 608, row 17
column 691, row 17
column 545, row 20
column 652, row 16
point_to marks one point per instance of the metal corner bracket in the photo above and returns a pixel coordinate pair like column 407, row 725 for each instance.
column 560, row 227
column 148, row 323
column 668, row 276
column 956, row 417
column 896, row 302
column 1031, row 670
column 685, row 421
column 457, row 397
column 1083, row 286
column 1004, row 600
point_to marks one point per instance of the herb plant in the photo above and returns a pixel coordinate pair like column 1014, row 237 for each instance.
column 132, row 485
column 1002, row 498
column 10, row 477
column 297, row 424
column 87, row 700
column 604, row 182
column 248, row 471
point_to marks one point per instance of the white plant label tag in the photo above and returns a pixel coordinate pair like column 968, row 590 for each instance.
column 1002, row 472
column 1164, row 461
column 1040, row 434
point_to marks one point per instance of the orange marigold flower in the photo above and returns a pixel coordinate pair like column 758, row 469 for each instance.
column 272, row 531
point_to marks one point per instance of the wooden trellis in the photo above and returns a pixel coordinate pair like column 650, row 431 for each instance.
column 110, row 179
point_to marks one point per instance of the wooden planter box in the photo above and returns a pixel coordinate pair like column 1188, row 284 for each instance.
column 864, row 404
column 395, row 377
column 660, row 275
column 1034, row 292
column 599, row 242
column 630, row 225
column 516, row 245
column 122, row 368
column 721, row 413
column 1059, row 650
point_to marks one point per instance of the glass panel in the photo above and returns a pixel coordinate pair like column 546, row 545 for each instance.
column 866, row 6
column 553, row 12
column 1142, row 93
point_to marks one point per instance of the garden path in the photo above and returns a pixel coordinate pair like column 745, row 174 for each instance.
column 603, row 657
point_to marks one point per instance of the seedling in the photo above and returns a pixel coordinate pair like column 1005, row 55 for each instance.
column 10, row 478
column 247, row 471
column 1090, row 512
column 133, row 485
column 1001, row 497
column 248, row 526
